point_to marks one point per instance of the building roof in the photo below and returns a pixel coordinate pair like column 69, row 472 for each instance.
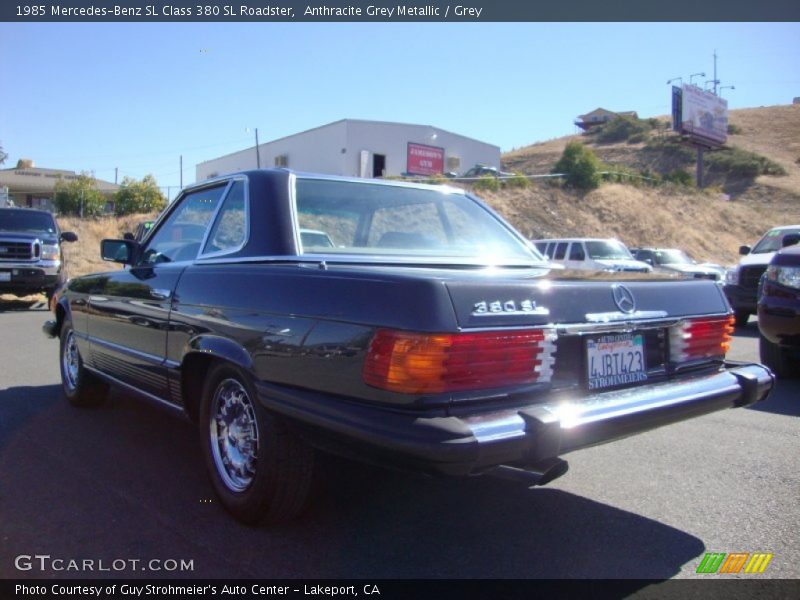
column 346, row 121
column 602, row 111
column 40, row 180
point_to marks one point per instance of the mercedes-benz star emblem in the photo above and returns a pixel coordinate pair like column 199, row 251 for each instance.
column 623, row 298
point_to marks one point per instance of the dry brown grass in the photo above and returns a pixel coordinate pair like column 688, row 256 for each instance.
column 704, row 224
column 83, row 256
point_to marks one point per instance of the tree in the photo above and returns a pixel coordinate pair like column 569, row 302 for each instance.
column 139, row 196
column 79, row 196
column 580, row 165
column 3, row 155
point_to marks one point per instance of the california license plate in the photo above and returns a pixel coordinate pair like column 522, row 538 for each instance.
column 614, row 360
column 5, row 275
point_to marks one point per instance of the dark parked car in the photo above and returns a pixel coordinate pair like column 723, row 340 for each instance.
column 741, row 282
column 779, row 311
column 483, row 170
column 430, row 335
column 31, row 258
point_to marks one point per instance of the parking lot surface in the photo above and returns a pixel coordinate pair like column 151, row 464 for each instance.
column 127, row 482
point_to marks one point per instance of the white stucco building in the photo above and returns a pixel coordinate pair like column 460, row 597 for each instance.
column 357, row 148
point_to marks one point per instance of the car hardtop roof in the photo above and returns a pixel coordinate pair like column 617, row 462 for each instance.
column 577, row 240
column 447, row 189
column 26, row 209
column 783, row 227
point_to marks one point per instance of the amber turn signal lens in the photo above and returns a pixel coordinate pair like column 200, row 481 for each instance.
column 424, row 363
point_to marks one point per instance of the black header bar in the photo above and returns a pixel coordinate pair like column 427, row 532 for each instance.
column 398, row 11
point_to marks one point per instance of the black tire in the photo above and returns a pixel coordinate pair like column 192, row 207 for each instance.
column 81, row 388
column 775, row 357
column 742, row 317
column 270, row 477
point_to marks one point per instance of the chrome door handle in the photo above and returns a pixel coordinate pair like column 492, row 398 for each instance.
column 160, row 294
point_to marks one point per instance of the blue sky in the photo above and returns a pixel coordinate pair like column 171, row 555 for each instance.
column 95, row 96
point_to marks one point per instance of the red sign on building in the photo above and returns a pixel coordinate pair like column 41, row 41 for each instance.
column 425, row 160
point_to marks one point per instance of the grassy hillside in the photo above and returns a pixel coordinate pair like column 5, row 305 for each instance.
column 709, row 224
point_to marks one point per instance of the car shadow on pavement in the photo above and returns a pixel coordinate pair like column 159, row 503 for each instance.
column 748, row 331
column 22, row 305
column 784, row 399
column 126, row 480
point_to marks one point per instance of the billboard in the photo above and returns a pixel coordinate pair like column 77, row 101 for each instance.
column 703, row 115
column 424, row 160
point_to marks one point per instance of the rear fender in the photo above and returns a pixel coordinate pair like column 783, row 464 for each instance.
column 222, row 348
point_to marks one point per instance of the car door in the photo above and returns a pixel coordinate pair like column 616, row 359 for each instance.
column 576, row 256
column 128, row 315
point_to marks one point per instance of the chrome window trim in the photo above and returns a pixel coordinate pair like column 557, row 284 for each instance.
column 214, row 219
column 298, row 240
column 173, row 207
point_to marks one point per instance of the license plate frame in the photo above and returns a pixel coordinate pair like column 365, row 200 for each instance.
column 615, row 360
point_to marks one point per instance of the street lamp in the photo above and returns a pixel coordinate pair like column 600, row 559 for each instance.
column 675, row 79
column 695, row 75
column 726, row 87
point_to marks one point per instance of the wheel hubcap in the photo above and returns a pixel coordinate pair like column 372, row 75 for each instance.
column 71, row 362
column 234, row 435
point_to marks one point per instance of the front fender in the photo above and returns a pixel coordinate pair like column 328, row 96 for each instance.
column 52, row 328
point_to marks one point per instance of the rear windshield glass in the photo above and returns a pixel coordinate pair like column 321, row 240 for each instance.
column 773, row 240
column 607, row 250
column 343, row 217
column 26, row 221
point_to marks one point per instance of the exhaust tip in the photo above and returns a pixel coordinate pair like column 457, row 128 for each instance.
column 537, row 474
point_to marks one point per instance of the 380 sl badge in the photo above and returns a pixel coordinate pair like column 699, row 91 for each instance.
column 509, row 307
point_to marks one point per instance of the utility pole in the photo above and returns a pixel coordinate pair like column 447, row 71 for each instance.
column 258, row 154
column 181, row 167
column 716, row 81
column 699, row 175
column 116, row 174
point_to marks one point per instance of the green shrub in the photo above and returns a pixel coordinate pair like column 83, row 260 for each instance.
column 671, row 148
column 487, row 182
column 637, row 138
column 734, row 129
column 79, row 197
column 136, row 196
column 741, row 163
column 580, row 165
column 621, row 128
column 517, row 181
column 679, row 177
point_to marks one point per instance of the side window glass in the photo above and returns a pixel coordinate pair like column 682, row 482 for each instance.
column 180, row 236
column 228, row 231
column 576, row 251
column 561, row 251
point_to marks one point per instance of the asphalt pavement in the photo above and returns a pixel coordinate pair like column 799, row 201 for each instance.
column 126, row 482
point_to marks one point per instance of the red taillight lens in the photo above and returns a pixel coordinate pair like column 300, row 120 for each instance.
column 701, row 338
column 424, row 363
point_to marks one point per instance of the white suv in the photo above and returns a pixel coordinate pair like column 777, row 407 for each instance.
column 591, row 254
